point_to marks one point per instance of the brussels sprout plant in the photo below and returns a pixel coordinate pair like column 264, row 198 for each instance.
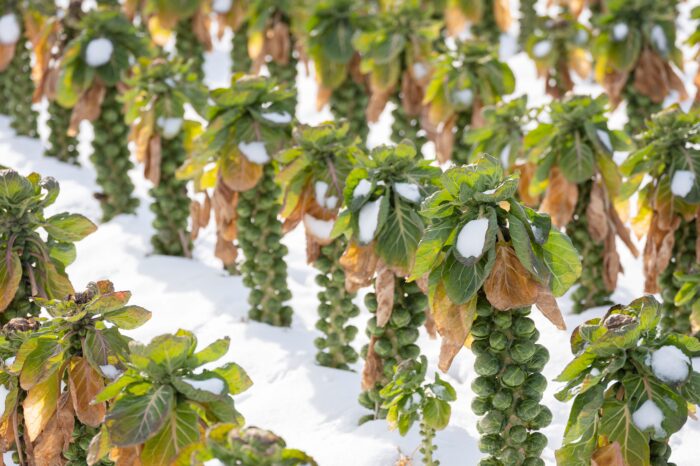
column 383, row 228
column 155, row 107
column 312, row 180
column 668, row 207
column 59, row 368
column 580, row 181
column 488, row 259
column 464, row 80
column 395, row 45
column 408, row 398
column 90, row 74
column 164, row 400
column 248, row 124
column 632, row 384
column 635, row 50
column 487, row 18
column 36, row 250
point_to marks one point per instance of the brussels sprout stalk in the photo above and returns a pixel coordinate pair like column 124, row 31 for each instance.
column 189, row 47
column 240, row 60
column 18, row 92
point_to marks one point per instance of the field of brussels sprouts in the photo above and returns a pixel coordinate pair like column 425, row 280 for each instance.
column 323, row 337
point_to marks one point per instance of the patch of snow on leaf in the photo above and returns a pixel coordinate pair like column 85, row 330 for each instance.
column 658, row 38
column 490, row 191
column 277, row 117
column 222, row 6
column 169, row 126
column 369, row 217
column 670, row 364
column 110, row 371
column 362, row 189
column 254, row 151
column 9, row 361
column 213, row 385
column 3, row 396
column 649, row 415
column 331, row 202
column 320, row 190
column 620, row 31
column 595, row 372
column 581, row 36
column 696, row 364
column 214, row 462
column 7, row 458
column 408, row 191
column 464, row 97
column 472, row 237
column 604, row 138
column 542, row 48
column 99, row 51
column 321, row 229
column 505, row 156
column 682, row 183
column 9, row 29
column 420, row 71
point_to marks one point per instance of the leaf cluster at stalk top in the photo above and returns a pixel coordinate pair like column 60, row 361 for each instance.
column 480, row 239
column 625, row 368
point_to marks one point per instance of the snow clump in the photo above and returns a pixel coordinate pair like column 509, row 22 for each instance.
column 649, row 415
column 169, row 126
column 472, row 237
column 99, row 52
column 670, row 364
column 682, row 183
column 542, row 48
column 321, row 229
column 277, row 117
column 9, row 29
column 213, row 385
column 369, row 217
column 620, row 31
column 254, row 151
column 362, row 189
column 222, row 6
column 408, row 191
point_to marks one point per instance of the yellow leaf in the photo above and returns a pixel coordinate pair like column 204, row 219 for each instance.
column 40, row 404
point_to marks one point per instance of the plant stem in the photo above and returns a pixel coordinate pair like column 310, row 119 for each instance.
column 677, row 318
column 61, row 146
column 18, row 92
column 427, row 448
column 240, row 60
column 349, row 101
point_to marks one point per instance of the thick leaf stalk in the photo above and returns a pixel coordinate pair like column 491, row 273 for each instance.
column 639, row 107
column 61, row 146
column 240, row 60
column 264, row 269
column 77, row 452
column 171, row 203
column 528, row 18
column 349, row 101
column 487, row 28
column 509, row 386
column 427, row 447
column 334, row 310
column 396, row 342
column 189, row 47
column 18, row 91
column 677, row 318
column 591, row 291
column 110, row 156
column 406, row 127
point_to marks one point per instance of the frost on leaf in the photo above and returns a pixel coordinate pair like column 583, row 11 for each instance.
column 368, row 220
column 99, row 52
column 670, row 364
column 509, row 285
column 472, row 237
column 649, row 416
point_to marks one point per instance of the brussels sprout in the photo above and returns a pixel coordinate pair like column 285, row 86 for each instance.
column 502, row 320
column 400, row 318
column 517, row 434
column 409, row 351
column 480, row 405
column 480, row 347
column 498, row 341
column 536, row 442
column 522, row 351
column 513, row 376
column 487, row 365
column 481, row 328
column 543, row 419
column 533, row 461
column 502, row 400
column 527, row 409
column 383, row 347
column 490, row 444
column 535, row 385
column 483, row 386
column 512, row 456
column 539, row 359
column 492, row 422
column 406, row 336
column 483, row 308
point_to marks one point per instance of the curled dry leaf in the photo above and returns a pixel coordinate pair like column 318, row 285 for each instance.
column 372, row 372
column 239, row 173
column 7, row 433
column 453, row 323
column 596, row 213
column 609, row 455
column 39, row 405
column 477, row 113
column 152, row 168
column 455, row 20
column 296, row 216
column 562, row 83
column 614, row 83
column 88, row 107
column 278, row 44
column 50, row 83
column 200, row 26
column 611, row 263
column 501, row 11
column 85, row 384
column 384, row 288
column 547, row 304
column 560, row 199
column 56, row 437
column 527, row 172
column 658, row 249
column 509, row 285
column 126, row 456
column 580, row 62
column 359, row 263
column 444, row 139
column 313, row 248
column 323, row 95
column 412, row 91
column 7, row 53
column 655, row 78
column 377, row 101
column 226, row 251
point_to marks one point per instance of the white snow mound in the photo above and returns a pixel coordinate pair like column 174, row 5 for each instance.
column 254, row 151
column 670, row 364
column 620, row 31
column 277, row 117
column 542, row 48
column 658, row 38
column 409, row 191
column 99, row 52
column 331, row 202
column 682, row 183
column 221, row 6
column 362, row 189
column 649, row 415
column 320, row 190
column 9, row 29
column 472, row 237
column 369, row 217
column 169, row 126
column 110, row 371
column 321, row 229
column 3, row 396
column 213, row 385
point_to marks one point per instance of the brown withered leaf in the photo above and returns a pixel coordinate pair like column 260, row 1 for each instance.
column 411, row 93
column 547, row 304
column 226, row 251
column 278, row 43
column 611, row 263
column 580, row 62
column 384, row 288
column 323, row 95
column 658, row 249
column 7, row 433
column 359, row 263
column 224, row 204
column 313, row 249
column 7, row 53
column 453, row 323
column 377, row 101
column 445, row 139
column 40, row 404
column 527, row 172
column 238, row 173
column 455, row 21
column 596, row 213
column 622, row 231
column 152, row 168
column 296, row 216
column 609, row 455
column 85, row 384
column 509, row 285
column 205, row 211
column 557, row 87
column 195, row 212
column 614, row 82
column 88, row 107
column 477, row 113
column 560, row 199
column 501, row 11
column 126, row 456
column 50, row 82
column 200, row 26
column 655, row 78
column 372, row 371
column 56, row 437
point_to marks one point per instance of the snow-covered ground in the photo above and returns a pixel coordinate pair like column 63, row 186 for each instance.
column 313, row 408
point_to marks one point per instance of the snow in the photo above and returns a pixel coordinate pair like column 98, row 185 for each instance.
column 670, row 364
column 682, row 182
column 109, row 371
column 464, row 97
column 542, row 48
column 214, row 385
column 214, row 462
column 3, row 396
column 648, row 416
column 581, row 36
column 221, row 6
column 277, row 117
column 320, row 190
column 9, row 29
column 420, row 71
column 620, row 31
column 99, row 52
column 471, row 238
column 408, row 191
column 9, row 361
column 658, row 38
column 331, row 202
column 317, row 227
column 505, row 156
column 369, row 217
column 362, row 189
column 254, row 151
column 604, row 138
column 169, row 126
column 7, row 458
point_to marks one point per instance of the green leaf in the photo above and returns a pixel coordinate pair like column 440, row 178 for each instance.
column 44, row 360
column 214, row 351
column 562, row 261
column 431, row 245
column 134, row 419
column 192, row 390
column 69, row 227
column 616, row 423
column 640, row 389
column 63, row 252
column 115, row 388
column 180, row 429
column 463, row 281
column 691, row 389
column 580, row 364
column 96, row 348
column 581, row 424
column 14, row 188
column 169, row 351
column 437, row 413
column 10, row 276
column 236, row 377
column 129, row 317
column 577, row 162
column 398, row 238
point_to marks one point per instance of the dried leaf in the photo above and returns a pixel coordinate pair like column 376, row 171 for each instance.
column 477, row 113
column 200, row 26
column 126, row 456
column 323, row 95
column 278, row 43
column 88, row 107
column 622, row 231
column 547, row 304
column 501, row 11
column 372, row 371
column 609, row 455
column 455, row 21
column 359, row 263
column 580, row 62
column 527, row 172
column 560, row 199
column 7, row 433
column 654, row 77
column 509, row 285
column 453, row 323
column 384, row 288
column 195, row 212
column 56, row 437
column 377, row 101
column 239, row 174
column 611, row 263
column 313, row 249
column 445, row 140
column 85, row 384
column 40, row 404
column 614, row 83
column 596, row 214
column 152, row 169
column 658, row 249
column 7, row 53
column 226, row 251
column 412, row 91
